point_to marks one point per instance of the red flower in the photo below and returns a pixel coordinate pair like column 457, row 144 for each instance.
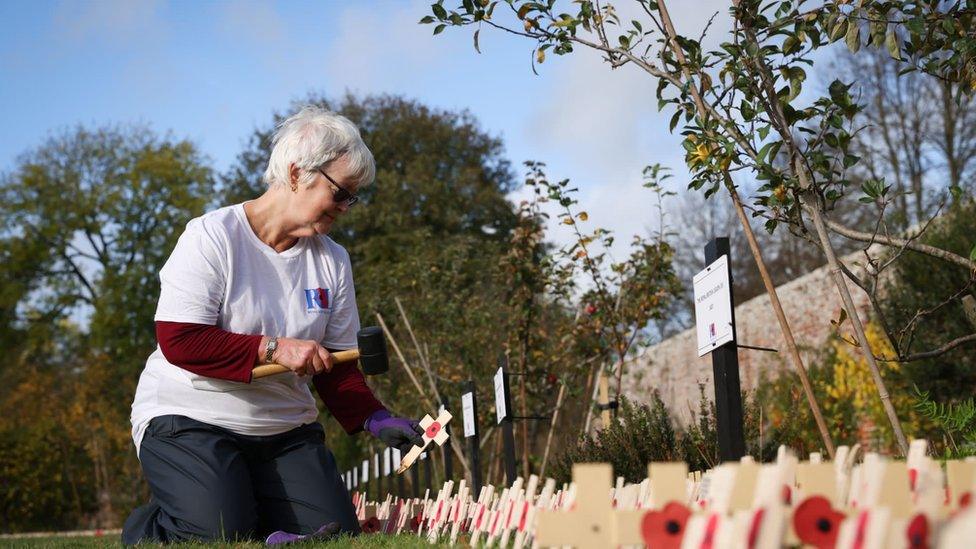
column 664, row 529
column 370, row 525
column 918, row 532
column 590, row 308
column 816, row 522
column 415, row 523
column 433, row 429
column 965, row 500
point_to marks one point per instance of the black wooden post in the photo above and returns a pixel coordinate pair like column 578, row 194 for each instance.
column 725, row 369
column 507, row 425
column 446, row 451
column 415, row 480
column 474, row 445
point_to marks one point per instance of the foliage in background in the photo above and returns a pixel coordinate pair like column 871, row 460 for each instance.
column 957, row 421
column 616, row 300
column 924, row 307
column 646, row 432
column 89, row 217
column 640, row 434
column 851, row 407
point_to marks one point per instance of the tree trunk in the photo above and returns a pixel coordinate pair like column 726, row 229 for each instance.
column 839, row 281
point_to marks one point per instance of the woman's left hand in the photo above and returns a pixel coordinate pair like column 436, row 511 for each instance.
column 397, row 432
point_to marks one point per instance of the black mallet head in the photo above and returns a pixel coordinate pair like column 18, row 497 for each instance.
column 372, row 351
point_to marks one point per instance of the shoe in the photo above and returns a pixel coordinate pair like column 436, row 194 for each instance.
column 281, row 537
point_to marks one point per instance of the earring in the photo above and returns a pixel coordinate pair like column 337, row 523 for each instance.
column 294, row 188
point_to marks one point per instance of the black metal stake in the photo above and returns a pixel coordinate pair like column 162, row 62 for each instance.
column 725, row 369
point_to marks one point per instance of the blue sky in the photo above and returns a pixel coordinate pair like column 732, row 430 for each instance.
column 213, row 71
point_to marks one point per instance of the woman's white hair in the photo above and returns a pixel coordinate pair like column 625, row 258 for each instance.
column 311, row 139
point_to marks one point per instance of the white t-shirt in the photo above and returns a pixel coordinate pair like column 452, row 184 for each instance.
column 221, row 274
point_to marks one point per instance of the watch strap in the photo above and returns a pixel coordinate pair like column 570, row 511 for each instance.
column 270, row 348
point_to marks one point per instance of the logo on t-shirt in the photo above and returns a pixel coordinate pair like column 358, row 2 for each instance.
column 317, row 300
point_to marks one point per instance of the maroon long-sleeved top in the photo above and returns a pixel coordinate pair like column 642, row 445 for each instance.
column 212, row 352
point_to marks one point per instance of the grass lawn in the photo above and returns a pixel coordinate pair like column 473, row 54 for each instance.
column 362, row 542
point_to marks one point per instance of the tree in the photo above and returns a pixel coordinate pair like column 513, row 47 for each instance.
column 742, row 110
column 89, row 217
column 919, row 134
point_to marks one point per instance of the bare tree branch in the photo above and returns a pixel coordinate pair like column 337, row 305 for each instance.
column 906, row 243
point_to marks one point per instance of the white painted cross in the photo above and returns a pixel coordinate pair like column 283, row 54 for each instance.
column 433, row 432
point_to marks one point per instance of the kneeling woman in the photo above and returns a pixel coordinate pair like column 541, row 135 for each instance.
column 225, row 456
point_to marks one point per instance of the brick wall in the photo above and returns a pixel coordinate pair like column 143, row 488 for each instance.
column 675, row 370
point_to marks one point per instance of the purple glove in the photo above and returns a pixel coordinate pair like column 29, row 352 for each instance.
column 396, row 432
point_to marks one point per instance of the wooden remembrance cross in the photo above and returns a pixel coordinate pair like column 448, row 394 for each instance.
column 433, row 432
column 588, row 524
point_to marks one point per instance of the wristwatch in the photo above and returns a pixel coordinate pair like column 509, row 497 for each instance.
column 270, row 348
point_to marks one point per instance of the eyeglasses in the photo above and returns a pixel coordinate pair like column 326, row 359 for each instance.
column 341, row 195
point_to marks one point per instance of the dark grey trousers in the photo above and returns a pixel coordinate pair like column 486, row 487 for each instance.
column 208, row 483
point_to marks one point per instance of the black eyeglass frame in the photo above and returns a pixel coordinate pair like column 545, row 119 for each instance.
column 342, row 195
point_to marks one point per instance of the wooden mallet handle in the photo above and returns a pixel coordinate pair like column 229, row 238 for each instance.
column 271, row 369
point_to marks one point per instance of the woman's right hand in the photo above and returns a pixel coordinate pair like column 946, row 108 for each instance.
column 302, row 356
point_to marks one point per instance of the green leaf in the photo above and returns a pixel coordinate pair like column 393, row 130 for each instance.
column 891, row 42
column 477, row 49
column 790, row 45
column 761, row 157
column 763, row 132
column 427, row 19
column 853, row 37
column 439, row 11
column 439, row 29
column 674, row 121
column 850, row 160
column 839, row 30
column 795, row 86
column 972, row 253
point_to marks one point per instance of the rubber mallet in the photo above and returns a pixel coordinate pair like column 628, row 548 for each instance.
column 371, row 354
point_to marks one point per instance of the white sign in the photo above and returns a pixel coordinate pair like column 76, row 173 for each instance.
column 467, row 410
column 713, row 306
column 365, row 470
column 387, row 456
column 397, row 458
column 355, row 477
column 376, row 465
column 500, row 410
